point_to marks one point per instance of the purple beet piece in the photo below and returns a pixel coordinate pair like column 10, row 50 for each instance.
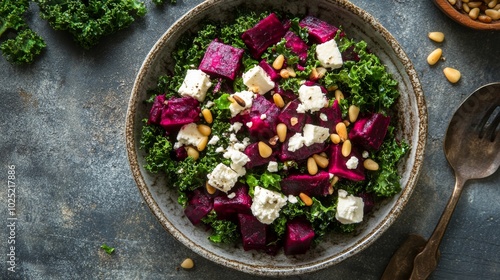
column 156, row 109
column 301, row 153
column 299, row 237
column 264, row 117
column 350, row 54
column 265, row 33
column 198, row 206
column 369, row 131
column 317, row 185
column 296, row 45
column 178, row 112
column 319, row 30
column 338, row 164
column 253, row 232
column 181, row 153
column 333, row 116
column 227, row 207
column 221, row 60
column 252, row 151
column 368, row 200
column 288, row 95
column 275, row 75
column 289, row 112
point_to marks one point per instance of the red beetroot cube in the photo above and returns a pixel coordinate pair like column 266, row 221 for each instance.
column 320, row 31
column 178, row 112
column 299, row 47
column 156, row 109
column 299, row 237
column 369, row 131
column 317, row 185
column 221, row 60
column 226, row 207
column 198, row 206
column 253, row 232
column 338, row 164
column 265, row 33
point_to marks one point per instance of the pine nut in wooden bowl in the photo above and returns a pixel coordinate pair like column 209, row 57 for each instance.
column 451, row 9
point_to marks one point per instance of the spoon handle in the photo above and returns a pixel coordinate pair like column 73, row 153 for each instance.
column 426, row 261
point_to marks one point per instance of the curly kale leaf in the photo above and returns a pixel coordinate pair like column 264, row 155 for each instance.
column 161, row 2
column 89, row 21
column 224, row 231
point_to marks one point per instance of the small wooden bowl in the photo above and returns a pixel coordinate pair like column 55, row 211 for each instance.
column 464, row 19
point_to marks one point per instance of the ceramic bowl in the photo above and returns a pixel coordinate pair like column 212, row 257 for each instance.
column 463, row 18
column 412, row 127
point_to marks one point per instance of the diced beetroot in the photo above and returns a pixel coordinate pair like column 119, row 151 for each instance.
column 253, row 232
column 252, row 151
column 368, row 200
column 350, row 54
column 270, row 70
column 320, row 31
column 198, row 206
column 296, row 45
column 221, row 60
column 264, row 117
column 287, row 95
column 317, row 185
column 302, row 153
column 333, row 116
column 369, row 131
column 289, row 112
column 299, row 237
column 265, row 33
column 226, row 207
column 338, row 164
column 178, row 112
column 181, row 153
column 156, row 109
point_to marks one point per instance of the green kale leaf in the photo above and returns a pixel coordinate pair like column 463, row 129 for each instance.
column 224, row 231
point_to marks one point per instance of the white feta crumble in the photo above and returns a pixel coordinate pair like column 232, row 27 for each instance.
column 188, row 135
column 323, row 117
column 349, row 208
column 249, row 124
column 315, row 134
column 232, row 138
column 352, row 163
column 236, row 157
column 263, row 116
column 266, row 204
column 312, row 99
column 195, row 84
column 365, row 154
column 209, row 104
column 219, row 150
column 213, row 140
column 231, row 195
column 180, row 171
column 257, row 78
column 222, row 177
column 292, row 199
column 272, row 166
column 295, row 142
column 246, row 96
column 236, row 126
column 329, row 55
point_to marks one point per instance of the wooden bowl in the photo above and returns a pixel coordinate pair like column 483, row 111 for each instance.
column 464, row 19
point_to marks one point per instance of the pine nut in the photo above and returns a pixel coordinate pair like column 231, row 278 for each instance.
column 485, row 19
column 312, row 167
column 205, row 130
column 284, row 74
column 202, row 144
column 497, row 7
column 492, row 4
column 321, row 161
column 294, row 121
column 341, row 130
column 264, row 150
column 370, row 164
column 321, row 72
column 346, row 122
column 493, row 14
column 466, row 1
column 207, row 115
column 346, row 148
column 291, row 72
column 314, row 74
column 239, row 100
column 436, row 36
column 334, row 181
column 187, row 263
column 306, row 199
column 332, row 88
column 466, row 8
column 474, row 13
column 353, row 113
column 278, row 62
column 335, row 138
column 434, row 56
column 281, row 130
column 278, row 100
column 452, row 2
column 210, row 189
column 339, row 95
column 193, row 153
column 475, row 4
column 453, row 75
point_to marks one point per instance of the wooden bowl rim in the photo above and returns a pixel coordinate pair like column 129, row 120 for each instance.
column 464, row 19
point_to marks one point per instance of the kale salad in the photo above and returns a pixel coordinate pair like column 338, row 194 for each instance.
column 274, row 130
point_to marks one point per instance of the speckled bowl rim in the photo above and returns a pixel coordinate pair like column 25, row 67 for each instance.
column 132, row 147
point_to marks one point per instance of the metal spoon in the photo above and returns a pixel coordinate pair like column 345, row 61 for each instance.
column 472, row 148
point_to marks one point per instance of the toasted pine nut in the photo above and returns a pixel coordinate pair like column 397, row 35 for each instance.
column 312, row 167
column 436, row 36
column 239, row 100
column 335, row 138
column 346, row 122
column 474, row 13
column 434, row 56
column 314, row 74
column 339, row 95
column 202, row 144
column 452, row 2
column 205, row 130
column 475, row 4
column 291, row 72
column 492, row 4
column 321, row 161
column 341, row 130
column 306, row 199
column 278, row 62
column 484, row 18
column 187, row 263
column 334, row 181
column 264, row 150
column 278, row 100
column 210, row 189
column 465, row 7
column 353, row 113
column 453, row 75
column 370, row 164
column 332, row 88
column 284, row 74
column 497, row 7
column 192, row 152
column 281, row 130
column 493, row 14
column 207, row 115
column 321, row 72
column 346, row 148
column 294, row 121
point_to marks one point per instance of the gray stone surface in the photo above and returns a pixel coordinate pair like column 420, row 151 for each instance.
column 62, row 126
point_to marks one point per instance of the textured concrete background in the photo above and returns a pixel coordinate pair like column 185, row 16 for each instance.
column 62, row 126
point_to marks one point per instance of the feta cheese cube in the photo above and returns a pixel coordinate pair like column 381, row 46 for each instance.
column 195, row 84
column 189, row 135
column 272, row 166
column 295, row 142
column 329, row 55
column 315, row 134
column 312, row 99
column 213, row 140
column 222, row 178
column 266, row 204
column 246, row 96
column 352, row 163
column 256, row 79
column 349, row 208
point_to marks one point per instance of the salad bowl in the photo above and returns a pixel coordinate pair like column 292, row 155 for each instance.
column 410, row 110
